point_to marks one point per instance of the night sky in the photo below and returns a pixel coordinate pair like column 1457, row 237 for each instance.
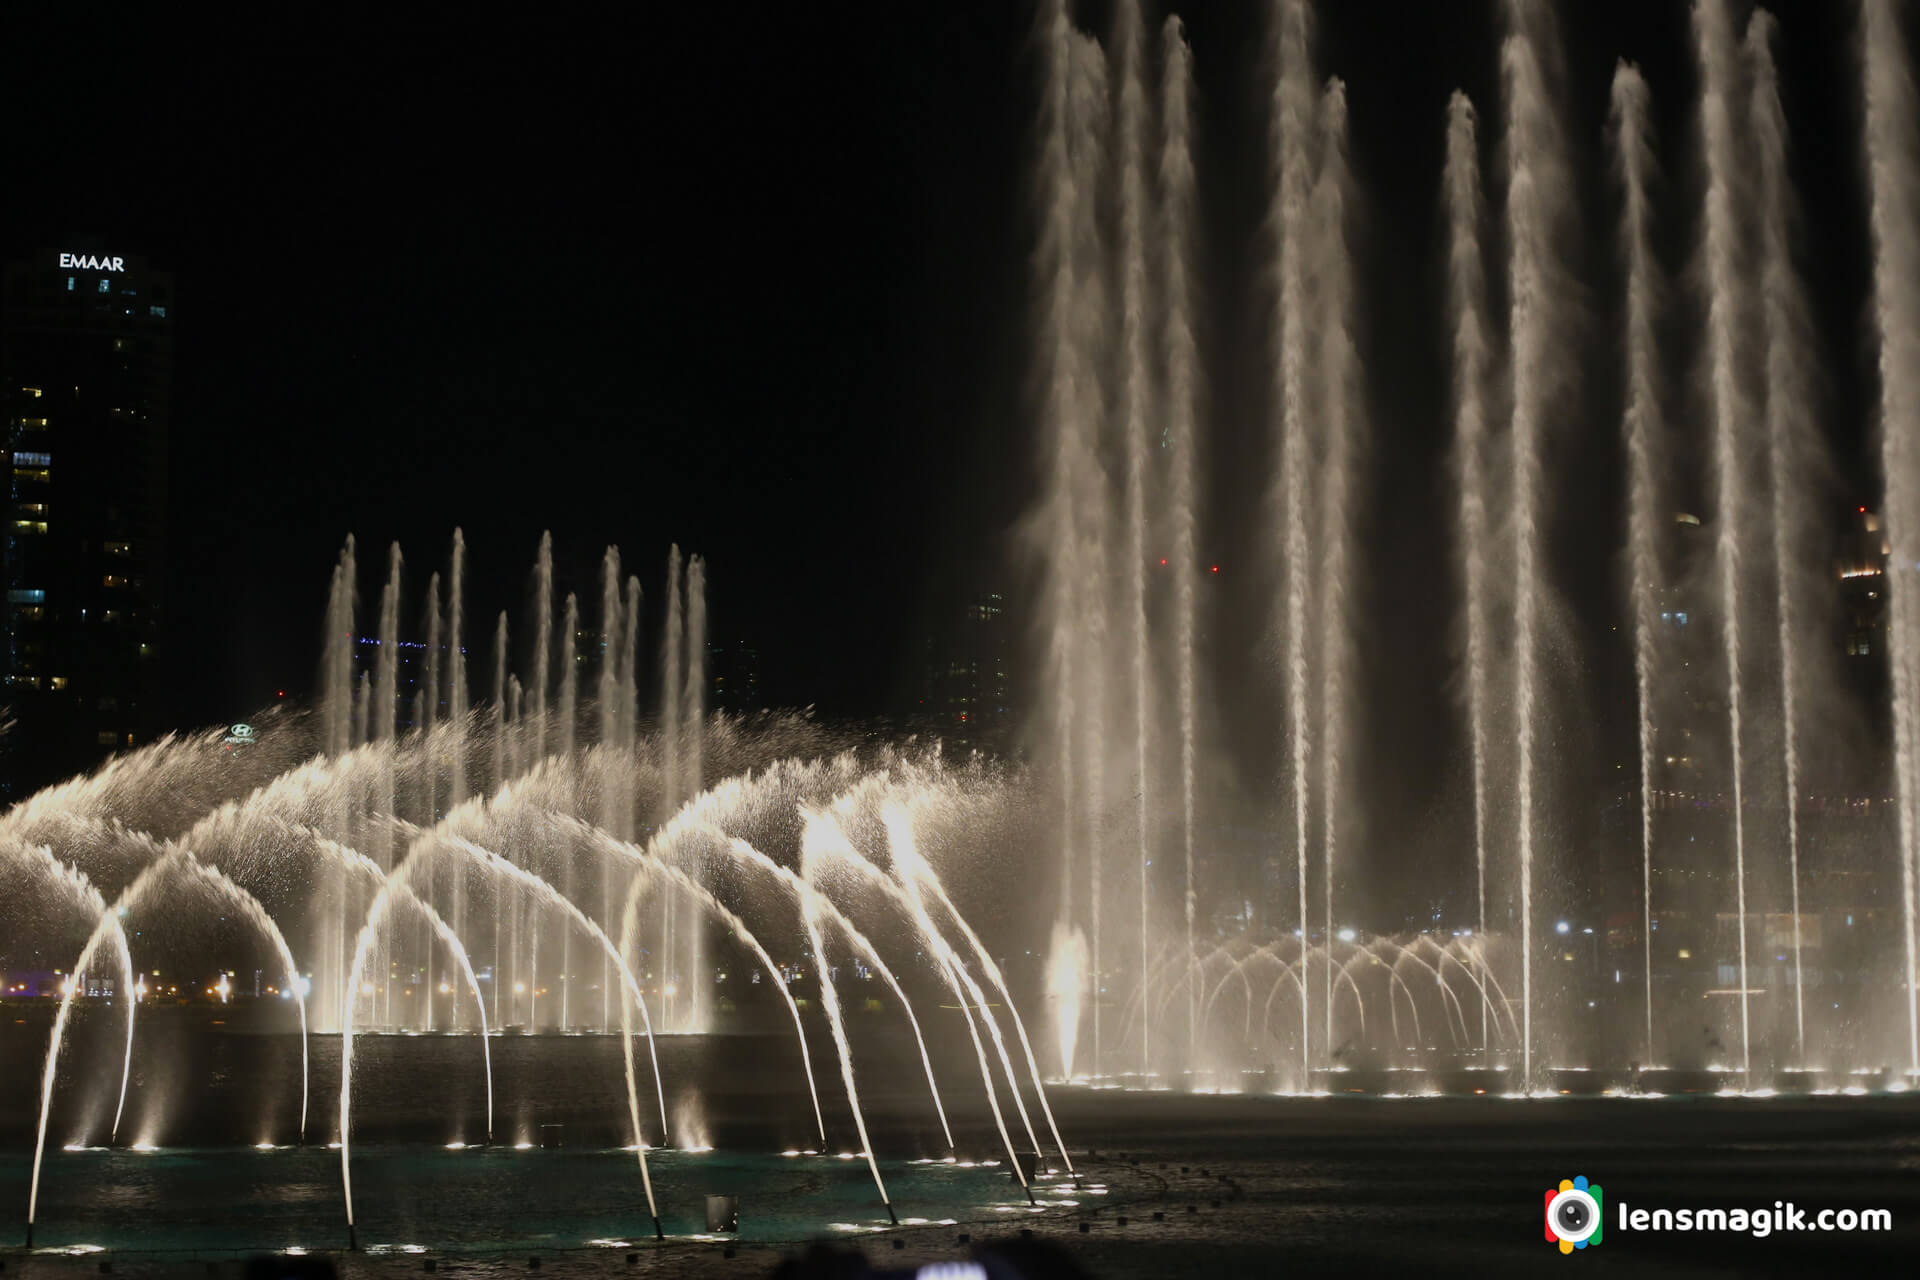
column 754, row 278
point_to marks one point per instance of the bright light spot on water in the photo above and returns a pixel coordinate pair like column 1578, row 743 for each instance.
column 263, row 1146
column 968, row 1164
column 144, row 1146
column 295, row 1251
column 1068, row 1204
column 456, row 1146
column 989, row 1164
column 1853, row 1091
column 604, row 1243
column 1896, row 1086
column 413, row 1248
column 914, row 1222
column 789, row 1153
column 333, row 1146
column 74, row 1250
column 951, row 1160
column 696, row 1150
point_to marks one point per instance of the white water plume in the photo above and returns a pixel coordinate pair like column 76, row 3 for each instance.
column 1893, row 166
column 1182, row 415
column 1067, row 987
column 1642, row 428
column 1727, row 302
column 1290, row 128
column 1796, row 455
column 1472, row 426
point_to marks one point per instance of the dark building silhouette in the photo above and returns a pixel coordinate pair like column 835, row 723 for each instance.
column 86, row 364
column 733, row 674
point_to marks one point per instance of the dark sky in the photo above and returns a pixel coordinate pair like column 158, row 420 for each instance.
column 753, row 278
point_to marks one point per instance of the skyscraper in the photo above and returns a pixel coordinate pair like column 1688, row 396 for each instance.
column 86, row 363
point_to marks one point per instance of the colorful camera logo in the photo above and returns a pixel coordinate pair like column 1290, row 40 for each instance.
column 1573, row 1214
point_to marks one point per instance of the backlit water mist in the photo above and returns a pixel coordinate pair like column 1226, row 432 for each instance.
column 1719, row 788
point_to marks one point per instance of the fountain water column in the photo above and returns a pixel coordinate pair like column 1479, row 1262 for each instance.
column 1794, row 446
column 1291, row 124
column 337, row 724
column 1893, row 166
column 534, row 724
column 627, row 716
column 426, row 699
column 1344, row 428
column 563, row 747
column 1472, row 359
column 611, row 624
column 1538, row 196
column 1059, row 409
column 457, row 716
column 1726, row 304
column 382, row 724
column 1631, row 133
column 1182, row 411
column 502, row 938
column 672, row 709
column 689, row 955
column 1132, row 126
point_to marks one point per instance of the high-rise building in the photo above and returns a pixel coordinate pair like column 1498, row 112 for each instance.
column 733, row 673
column 968, row 690
column 86, row 363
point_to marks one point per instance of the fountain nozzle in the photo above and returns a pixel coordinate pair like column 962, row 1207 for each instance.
column 353, row 1237
column 658, row 1234
column 891, row 1215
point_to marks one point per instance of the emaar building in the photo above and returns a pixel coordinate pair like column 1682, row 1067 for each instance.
column 86, row 363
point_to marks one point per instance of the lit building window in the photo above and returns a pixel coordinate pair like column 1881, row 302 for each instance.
column 31, row 595
column 108, row 737
column 106, row 286
column 29, row 508
column 119, row 548
column 39, row 474
column 159, row 311
column 57, row 682
column 33, row 424
column 69, row 284
column 31, row 393
column 32, row 459
column 113, row 580
column 29, row 526
column 30, row 612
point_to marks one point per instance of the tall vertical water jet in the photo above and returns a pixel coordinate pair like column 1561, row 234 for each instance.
column 671, row 698
column 1538, row 195
column 672, row 749
column 1344, row 424
column 1893, row 168
column 497, row 757
column 1472, row 428
column 1794, row 450
column 1290, row 126
column 1726, row 304
column 563, row 747
column 337, row 722
column 1131, row 127
column 1182, row 411
column 611, row 624
column 1089, row 627
column 540, row 680
column 457, row 686
column 426, row 704
column 687, row 930
column 1630, row 131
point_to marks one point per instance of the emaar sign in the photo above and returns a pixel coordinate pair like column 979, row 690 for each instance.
column 85, row 262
